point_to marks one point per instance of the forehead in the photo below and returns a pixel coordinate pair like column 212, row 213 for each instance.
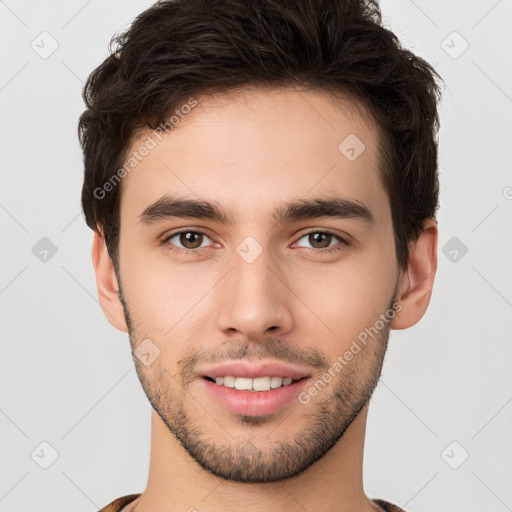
column 256, row 148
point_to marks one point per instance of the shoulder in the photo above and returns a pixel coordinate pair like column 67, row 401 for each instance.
column 387, row 506
column 118, row 504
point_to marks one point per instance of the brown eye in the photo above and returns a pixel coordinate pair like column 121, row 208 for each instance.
column 187, row 240
column 318, row 240
column 322, row 242
column 191, row 240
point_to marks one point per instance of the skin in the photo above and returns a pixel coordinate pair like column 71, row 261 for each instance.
column 248, row 152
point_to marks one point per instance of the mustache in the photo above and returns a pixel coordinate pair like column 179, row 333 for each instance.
column 269, row 348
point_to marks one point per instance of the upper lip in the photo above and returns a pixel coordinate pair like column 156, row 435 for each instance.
column 253, row 370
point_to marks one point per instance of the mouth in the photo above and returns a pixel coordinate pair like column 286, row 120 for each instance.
column 242, row 399
column 255, row 385
column 253, row 388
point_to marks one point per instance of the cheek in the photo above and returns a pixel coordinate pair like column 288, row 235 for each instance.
column 339, row 297
column 160, row 294
column 346, row 297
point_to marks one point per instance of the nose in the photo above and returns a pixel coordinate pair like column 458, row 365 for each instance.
column 255, row 298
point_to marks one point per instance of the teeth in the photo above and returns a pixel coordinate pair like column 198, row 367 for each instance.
column 257, row 384
column 229, row 382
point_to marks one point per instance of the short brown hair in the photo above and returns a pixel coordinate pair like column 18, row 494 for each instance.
column 180, row 48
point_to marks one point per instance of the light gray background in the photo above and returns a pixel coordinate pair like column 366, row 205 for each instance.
column 67, row 377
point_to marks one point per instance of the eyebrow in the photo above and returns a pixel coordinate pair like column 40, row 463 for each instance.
column 171, row 206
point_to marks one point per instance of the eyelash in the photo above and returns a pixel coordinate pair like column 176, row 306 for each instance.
column 332, row 249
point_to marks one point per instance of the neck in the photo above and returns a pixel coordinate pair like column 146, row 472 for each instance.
column 176, row 482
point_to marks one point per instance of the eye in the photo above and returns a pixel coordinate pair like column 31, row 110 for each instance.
column 321, row 241
column 189, row 240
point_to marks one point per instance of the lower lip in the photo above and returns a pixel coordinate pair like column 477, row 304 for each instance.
column 254, row 403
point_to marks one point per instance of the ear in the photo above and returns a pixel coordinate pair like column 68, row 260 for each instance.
column 416, row 283
column 106, row 282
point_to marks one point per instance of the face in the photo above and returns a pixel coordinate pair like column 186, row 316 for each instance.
column 250, row 275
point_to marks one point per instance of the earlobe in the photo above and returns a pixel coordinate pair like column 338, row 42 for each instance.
column 416, row 284
column 107, row 285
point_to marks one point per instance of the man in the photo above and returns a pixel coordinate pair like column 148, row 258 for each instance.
column 262, row 181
